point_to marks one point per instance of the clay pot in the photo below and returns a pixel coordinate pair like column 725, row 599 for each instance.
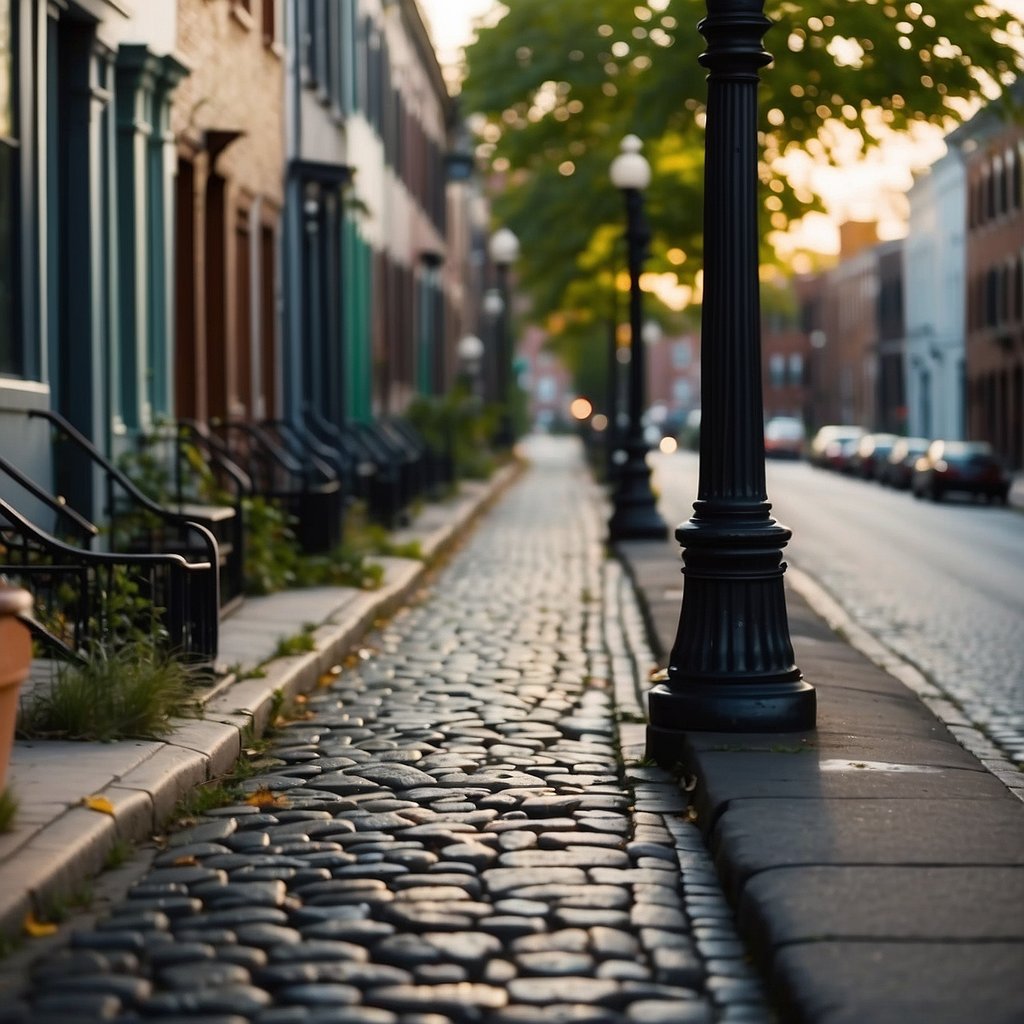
column 15, row 660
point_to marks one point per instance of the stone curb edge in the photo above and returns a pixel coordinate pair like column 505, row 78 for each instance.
column 74, row 847
column 971, row 738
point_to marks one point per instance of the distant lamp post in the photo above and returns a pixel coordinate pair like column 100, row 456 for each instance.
column 634, row 515
column 732, row 667
column 471, row 352
column 504, row 251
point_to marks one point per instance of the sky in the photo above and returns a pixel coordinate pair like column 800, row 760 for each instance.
column 873, row 188
column 451, row 24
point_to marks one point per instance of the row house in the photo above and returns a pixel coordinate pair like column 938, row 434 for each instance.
column 991, row 148
column 785, row 352
column 372, row 212
column 87, row 167
column 673, row 375
column 925, row 336
column 934, row 270
column 841, row 312
column 224, row 209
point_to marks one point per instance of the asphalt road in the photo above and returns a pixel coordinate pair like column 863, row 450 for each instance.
column 942, row 585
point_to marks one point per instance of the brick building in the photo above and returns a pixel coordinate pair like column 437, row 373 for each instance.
column 228, row 120
column 991, row 146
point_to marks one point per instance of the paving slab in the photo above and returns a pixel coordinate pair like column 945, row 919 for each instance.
column 754, row 835
column 728, row 776
column 900, row 983
column 815, row 904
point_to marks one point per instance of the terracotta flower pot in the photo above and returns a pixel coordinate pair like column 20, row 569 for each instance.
column 15, row 659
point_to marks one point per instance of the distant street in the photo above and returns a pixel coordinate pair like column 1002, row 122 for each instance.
column 941, row 585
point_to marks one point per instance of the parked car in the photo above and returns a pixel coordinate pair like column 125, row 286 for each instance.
column 970, row 467
column 784, row 438
column 826, row 445
column 899, row 466
column 871, row 454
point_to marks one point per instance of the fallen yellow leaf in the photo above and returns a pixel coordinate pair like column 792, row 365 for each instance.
column 99, row 803
column 265, row 798
column 37, row 929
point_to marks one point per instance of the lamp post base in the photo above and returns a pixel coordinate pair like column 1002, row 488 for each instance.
column 635, row 515
column 725, row 707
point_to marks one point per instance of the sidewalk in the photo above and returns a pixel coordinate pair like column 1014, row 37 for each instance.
column 876, row 866
column 58, row 844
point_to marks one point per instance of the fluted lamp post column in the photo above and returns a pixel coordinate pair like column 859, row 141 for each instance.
column 732, row 667
column 634, row 510
column 503, row 249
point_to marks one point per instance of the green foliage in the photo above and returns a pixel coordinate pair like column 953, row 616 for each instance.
column 58, row 907
column 300, row 643
column 274, row 560
column 272, row 552
column 558, row 85
column 459, row 424
column 217, row 793
column 122, row 691
column 8, row 810
column 118, row 854
column 367, row 538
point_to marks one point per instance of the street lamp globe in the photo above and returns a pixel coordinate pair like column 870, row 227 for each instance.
column 503, row 247
column 494, row 304
column 651, row 332
column 471, row 349
column 630, row 169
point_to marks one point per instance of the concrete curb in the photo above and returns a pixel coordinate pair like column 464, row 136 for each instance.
column 59, row 844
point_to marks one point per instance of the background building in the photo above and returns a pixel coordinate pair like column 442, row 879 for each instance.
column 992, row 149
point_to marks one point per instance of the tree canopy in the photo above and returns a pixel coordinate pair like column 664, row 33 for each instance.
column 554, row 87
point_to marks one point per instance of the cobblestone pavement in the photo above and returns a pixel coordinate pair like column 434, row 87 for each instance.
column 453, row 835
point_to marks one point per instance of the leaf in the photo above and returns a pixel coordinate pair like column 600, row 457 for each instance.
column 98, row 803
column 266, row 798
column 185, row 861
column 37, row 929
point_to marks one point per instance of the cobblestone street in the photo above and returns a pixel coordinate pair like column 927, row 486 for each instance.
column 451, row 836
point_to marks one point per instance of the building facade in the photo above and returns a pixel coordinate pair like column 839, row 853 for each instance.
column 367, row 242
column 228, row 123
column 991, row 146
column 236, row 209
column 934, row 264
column 86, row 231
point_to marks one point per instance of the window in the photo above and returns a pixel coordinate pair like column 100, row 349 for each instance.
column 269, row 12
column 682, row 354
column 682, row 392
column 796, row 369
column 777, row 370
column 11, row 361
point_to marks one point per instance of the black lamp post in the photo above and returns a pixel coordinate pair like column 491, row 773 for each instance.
column 732, row 667
column 504, row 251
column 634, row 514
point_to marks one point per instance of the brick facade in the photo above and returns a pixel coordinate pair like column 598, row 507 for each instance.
column 228, row 118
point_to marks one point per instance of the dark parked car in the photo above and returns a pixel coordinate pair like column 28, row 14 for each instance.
column 871, row 455
column 827, row 446
column 899, row 467
column 970, row 467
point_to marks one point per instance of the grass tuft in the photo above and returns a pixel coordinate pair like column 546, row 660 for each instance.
column 130, row 692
